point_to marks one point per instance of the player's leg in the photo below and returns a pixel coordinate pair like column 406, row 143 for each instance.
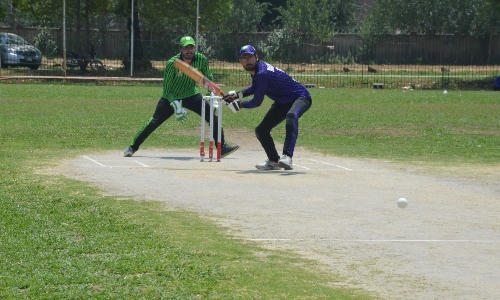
column 299, row 107
column 162, row 113
column 274, row 116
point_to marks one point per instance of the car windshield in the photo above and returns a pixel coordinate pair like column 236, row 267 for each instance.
column 12, row 39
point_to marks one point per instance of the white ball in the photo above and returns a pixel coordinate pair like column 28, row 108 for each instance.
column 402, row 202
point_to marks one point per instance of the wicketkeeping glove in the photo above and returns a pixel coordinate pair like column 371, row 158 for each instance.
column 235, row 105
column 180, row 113
column 232, row 95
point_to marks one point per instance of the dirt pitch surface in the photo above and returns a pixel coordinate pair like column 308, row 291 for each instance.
column 340, row 212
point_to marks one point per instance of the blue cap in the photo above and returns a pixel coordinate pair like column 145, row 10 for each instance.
column 247, row 49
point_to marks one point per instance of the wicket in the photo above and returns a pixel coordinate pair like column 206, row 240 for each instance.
column 215, row 105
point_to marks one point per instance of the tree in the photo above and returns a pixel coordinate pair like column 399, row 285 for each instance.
column 178, row 17
column 321, row 19
column 245, row 16
column 430, row 16
column 91, row 9
column 37, row 12
column 317, row 19
column 492, row 10
column 271, row 14
column 3, row 10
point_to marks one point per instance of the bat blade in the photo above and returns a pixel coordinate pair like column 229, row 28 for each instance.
column 198, row 77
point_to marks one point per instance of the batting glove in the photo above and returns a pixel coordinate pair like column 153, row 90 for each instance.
column 232, row 95
column 235, row 106
column 180, row 113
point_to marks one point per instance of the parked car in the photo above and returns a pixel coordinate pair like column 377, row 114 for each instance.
column 16, row 51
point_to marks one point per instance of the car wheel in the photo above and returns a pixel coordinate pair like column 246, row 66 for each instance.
column 35, row 67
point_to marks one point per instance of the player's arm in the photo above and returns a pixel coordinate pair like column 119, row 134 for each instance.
column 205, row 69
column 233, row 95
column 250, row 90
column 233, row 98
column 259, row 90
column 168, row 81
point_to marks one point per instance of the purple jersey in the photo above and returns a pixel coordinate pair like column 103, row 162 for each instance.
column 274, row 83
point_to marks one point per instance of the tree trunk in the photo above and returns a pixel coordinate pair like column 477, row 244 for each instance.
column 489, row 42
column 138, row 53
column 139, row 62
column 87, row 25
column 78, row 28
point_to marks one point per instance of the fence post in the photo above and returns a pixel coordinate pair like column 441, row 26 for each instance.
column 64, row 38
column 132, row 40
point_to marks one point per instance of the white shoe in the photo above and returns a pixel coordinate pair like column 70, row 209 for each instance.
column 129, row 152
column 268, row 165
column 285, row 162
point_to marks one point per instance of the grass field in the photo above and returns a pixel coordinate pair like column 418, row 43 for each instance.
column 62, row 239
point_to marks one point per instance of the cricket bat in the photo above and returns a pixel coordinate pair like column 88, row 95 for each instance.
column 198, row 77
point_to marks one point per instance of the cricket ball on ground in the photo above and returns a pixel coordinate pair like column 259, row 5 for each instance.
column 402, row 203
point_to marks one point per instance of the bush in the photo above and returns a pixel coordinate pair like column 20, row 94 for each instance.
column 45, row 42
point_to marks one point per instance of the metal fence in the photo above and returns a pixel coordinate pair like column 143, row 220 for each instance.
column 416, row 61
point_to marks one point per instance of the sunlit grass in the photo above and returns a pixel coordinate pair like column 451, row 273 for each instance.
column 62, row 239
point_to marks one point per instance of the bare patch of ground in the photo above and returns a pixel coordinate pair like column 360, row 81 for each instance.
column 341, row 212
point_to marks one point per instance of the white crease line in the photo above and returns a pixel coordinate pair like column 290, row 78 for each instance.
column 112, row 167
column 302, row 167
column 332, row 165
column 383, row 241
column 141, row 164
column 94, row 161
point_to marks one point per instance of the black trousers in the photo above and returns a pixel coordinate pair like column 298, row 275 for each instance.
column 164, row 111
column 291, row 112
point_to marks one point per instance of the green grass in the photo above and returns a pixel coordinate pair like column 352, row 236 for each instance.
column 62, row 239
column 460, row 127
column 410, row 126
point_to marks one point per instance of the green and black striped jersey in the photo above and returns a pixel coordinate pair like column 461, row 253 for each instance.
column 177, row 85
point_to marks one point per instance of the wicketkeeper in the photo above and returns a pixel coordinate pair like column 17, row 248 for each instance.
column 291, row 101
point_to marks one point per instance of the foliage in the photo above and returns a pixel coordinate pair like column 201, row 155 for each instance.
column 270, row 20
column 470, row 17
column 204, row 47
column 45, row 42
column 245, row 15
column 33, row 12
column 3, row 10
column 177, row 16
column 280, row 45
column 319, row 18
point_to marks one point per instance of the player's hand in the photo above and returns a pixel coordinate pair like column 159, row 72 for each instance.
column 180, row 113
column 232, row 95
column 235, row 105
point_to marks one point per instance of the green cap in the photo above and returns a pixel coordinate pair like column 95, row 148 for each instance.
column 187, row 40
